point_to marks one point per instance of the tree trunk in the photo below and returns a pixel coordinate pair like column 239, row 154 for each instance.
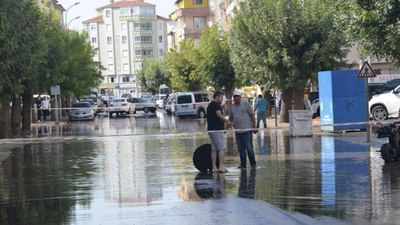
column 16, row 116
column 292, row 98
column 27, row 112
column 5, row 119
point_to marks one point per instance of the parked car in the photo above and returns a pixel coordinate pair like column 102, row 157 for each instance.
column 315, row 108
column 385, row 105
column 80, row 111
column 143, row 106
column 379, row 88
column 92, row 103
column 192, row 103
column 120, row 106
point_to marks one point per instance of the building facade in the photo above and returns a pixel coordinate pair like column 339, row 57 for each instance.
column 191, row 17
column 124, row 34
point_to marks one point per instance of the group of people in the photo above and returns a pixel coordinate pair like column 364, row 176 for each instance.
column 43, row 108
column 242, row 118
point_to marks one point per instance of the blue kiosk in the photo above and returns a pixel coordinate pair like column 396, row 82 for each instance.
column 342, row 100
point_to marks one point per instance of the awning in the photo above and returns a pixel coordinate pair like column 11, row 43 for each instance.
column 107, row 86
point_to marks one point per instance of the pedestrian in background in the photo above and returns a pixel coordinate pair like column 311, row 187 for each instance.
column 45, row 108
column 261, row 109
column 242, row 117
column 38, row 108
column 216, row 126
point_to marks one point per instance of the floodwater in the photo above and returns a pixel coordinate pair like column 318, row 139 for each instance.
column 139, row 170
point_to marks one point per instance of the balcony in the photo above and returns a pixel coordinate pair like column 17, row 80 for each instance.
column 193, row 12
column 193, row 32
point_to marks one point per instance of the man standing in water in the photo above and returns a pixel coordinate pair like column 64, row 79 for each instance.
column 242, row 116
column 216, row 122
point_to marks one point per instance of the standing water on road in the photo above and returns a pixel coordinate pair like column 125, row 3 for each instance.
column 139, row 170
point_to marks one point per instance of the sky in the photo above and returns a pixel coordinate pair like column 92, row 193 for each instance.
column 87, row 9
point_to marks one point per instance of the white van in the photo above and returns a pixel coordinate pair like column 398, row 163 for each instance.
column 192, row 103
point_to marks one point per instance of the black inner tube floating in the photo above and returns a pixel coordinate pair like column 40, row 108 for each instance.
column 202, row 158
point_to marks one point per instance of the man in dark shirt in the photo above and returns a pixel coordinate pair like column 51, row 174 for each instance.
column 216, row 126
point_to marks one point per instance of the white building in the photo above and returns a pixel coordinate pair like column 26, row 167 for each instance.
column 124, row 33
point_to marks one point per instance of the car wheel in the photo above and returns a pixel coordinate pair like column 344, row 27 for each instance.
column 201, row 114
column 110, row 115
column 379, row 113
column 153, row 110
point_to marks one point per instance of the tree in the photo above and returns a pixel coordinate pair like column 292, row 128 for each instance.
column 212, row 61
column 180, row 66
column 373, row 26
column 152, row 75
column 284, row 43
column 19, row 56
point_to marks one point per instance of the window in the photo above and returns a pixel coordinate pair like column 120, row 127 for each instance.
column 123, row 26
column 108, row 13
column 160, row 39
column 198, row 98
column 124, row 39
column 184, row 99
column 144, row 52
column 142, row 26
column 93, row 27
column 125, row 53
column 112, row 79
column 125, row 67
column 108, row 27
column 110, row 67
column 135, row 11
column 143, row 39
column 125, row 79
column 109, row 40
column 199, row 22
column 160, row 25
column 197, row 2
column 94, row 40
column 124, row 11
column 110, row 54
column 161, row 52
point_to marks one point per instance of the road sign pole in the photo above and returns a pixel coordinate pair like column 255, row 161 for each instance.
column 367, row 109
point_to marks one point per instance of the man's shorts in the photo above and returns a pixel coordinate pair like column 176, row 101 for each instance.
column 217, row 140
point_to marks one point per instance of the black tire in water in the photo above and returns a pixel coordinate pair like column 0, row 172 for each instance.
column 202, row 158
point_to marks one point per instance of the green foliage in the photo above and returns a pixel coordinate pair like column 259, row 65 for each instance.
column 181, row 66
column 374, row 26
column 283, row 43
column 20, row 48
column 152, row 75
column 212, row 61
column 80, row 72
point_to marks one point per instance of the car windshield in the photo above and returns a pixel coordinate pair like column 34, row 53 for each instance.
column 119, row 100
column 81, row 105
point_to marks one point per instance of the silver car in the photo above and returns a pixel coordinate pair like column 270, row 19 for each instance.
column 80, row 111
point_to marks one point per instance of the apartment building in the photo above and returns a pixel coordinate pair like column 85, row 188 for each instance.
column 124, row 34
column 191, row 17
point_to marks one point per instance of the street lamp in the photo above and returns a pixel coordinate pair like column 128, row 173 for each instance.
column 66, row 12
column 72, row 20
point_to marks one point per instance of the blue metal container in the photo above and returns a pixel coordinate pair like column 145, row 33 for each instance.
column 342, row 100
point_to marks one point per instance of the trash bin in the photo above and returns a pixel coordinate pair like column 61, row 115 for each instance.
column 300, row 122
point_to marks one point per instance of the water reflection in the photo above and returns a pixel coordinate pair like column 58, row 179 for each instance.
column 247, row 184
column 142, row 164
column 210, row 185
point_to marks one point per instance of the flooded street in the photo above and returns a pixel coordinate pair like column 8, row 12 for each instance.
column 139, row 170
